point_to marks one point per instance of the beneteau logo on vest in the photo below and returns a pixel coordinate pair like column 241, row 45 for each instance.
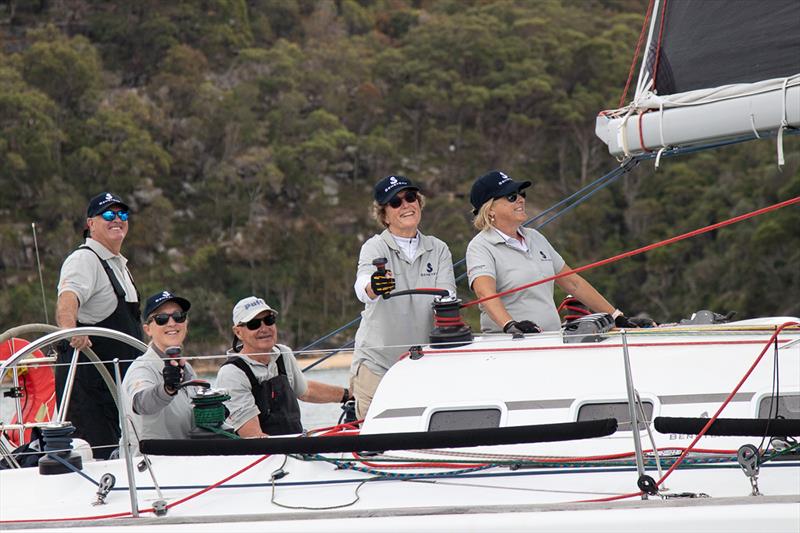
column 428, row 271
column 544, row 257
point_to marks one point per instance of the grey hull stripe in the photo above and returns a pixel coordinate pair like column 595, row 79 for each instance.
column 704, row 398
column 539, row 404
column 397, row 413
column 564, row 403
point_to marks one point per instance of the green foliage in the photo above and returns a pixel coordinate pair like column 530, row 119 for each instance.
column 247, row 136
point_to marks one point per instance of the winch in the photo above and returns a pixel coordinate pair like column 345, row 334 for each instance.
column 210, row 414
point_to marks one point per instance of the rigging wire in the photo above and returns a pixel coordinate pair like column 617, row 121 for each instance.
column 579, row 196
column 636, row 53
column 587, row 191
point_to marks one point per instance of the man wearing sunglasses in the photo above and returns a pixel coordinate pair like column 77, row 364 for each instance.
column 505, row 255
column 263, row 378
column 96, row 289
column 389, row 326
column 157, row 404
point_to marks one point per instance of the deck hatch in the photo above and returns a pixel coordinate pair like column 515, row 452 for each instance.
column 465, row 419
column 788, row 406
column 618, row 410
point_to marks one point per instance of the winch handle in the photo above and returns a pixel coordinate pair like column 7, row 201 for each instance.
column 173, row 352
column 196, row 383
column 380, row 264
column 430, row 292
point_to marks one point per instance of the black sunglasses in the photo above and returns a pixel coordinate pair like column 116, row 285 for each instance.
column 254, row 324
column 513, row 196
column 410, row 197
column 162, row 318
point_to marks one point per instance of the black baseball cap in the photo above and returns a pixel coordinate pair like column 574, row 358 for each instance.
column 160, row 298
column 389, row 186
column 103, row 201
column 495, row 184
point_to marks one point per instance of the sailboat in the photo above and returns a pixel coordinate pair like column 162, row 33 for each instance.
column 687, row 426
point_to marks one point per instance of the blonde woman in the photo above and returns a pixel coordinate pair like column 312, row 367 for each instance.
column 505, row 254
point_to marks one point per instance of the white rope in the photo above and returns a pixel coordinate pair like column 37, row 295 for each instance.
column 784, row 124
column 753, row 125
column 661, row 133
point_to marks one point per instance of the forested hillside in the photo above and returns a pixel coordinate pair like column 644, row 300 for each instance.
column 247, row 135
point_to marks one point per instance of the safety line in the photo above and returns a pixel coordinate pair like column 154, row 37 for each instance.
column 641, row 250
column 710, row 422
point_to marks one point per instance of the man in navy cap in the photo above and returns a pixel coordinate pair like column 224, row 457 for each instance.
column 96, row 289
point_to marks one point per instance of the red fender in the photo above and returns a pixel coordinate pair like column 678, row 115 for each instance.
column 38, row 389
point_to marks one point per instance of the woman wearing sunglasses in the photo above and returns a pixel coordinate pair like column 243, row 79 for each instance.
column 263, row 378
column 157, row 405
column 505, row 255
column 389, row 326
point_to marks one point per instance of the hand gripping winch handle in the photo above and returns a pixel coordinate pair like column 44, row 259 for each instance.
column 380, row 265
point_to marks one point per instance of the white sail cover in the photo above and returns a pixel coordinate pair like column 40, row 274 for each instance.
column 713, row 70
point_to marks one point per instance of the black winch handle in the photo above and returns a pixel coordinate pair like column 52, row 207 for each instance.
column 380, row 264
column 195, row 383
column 173, row 352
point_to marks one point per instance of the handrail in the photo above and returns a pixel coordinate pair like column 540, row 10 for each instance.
column 59, row 334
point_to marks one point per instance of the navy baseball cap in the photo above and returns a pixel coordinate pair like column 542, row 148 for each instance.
column 103, row 201
column 495, row 184
column 160, row 298
column 389, row 186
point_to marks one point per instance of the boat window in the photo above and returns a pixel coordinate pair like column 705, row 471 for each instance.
column 618, row 410
column 465, row 419
column 788, row 406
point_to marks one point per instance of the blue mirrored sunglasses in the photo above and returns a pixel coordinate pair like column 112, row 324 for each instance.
column 109, row 215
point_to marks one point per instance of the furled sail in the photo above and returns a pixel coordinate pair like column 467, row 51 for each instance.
column 713, row 70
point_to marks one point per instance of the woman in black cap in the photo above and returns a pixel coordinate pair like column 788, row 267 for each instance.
column 505, row 255
column 389, row 327
column 158, row 404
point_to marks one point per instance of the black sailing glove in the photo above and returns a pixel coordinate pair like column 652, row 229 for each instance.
column 173, row 376
column 521, row 327
column 623, row 321
column 382, row 283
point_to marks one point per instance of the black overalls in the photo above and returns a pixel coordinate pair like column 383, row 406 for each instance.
column 275, row 399
column 91, row 408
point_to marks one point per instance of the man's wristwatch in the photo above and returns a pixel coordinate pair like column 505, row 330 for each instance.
column 345, row 395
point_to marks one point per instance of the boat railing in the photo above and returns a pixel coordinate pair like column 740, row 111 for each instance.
column 22, row 357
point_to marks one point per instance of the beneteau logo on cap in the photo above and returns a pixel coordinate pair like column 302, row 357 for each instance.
column 108, row 198
column 165, row 295
column 503, row 178
column 394, row 182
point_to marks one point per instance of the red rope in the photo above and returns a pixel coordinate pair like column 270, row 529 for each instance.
column 636, row 54
column 641, row 135
column 658, row 46
column 641, row 250
column 149, row 509
column 711, row 420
